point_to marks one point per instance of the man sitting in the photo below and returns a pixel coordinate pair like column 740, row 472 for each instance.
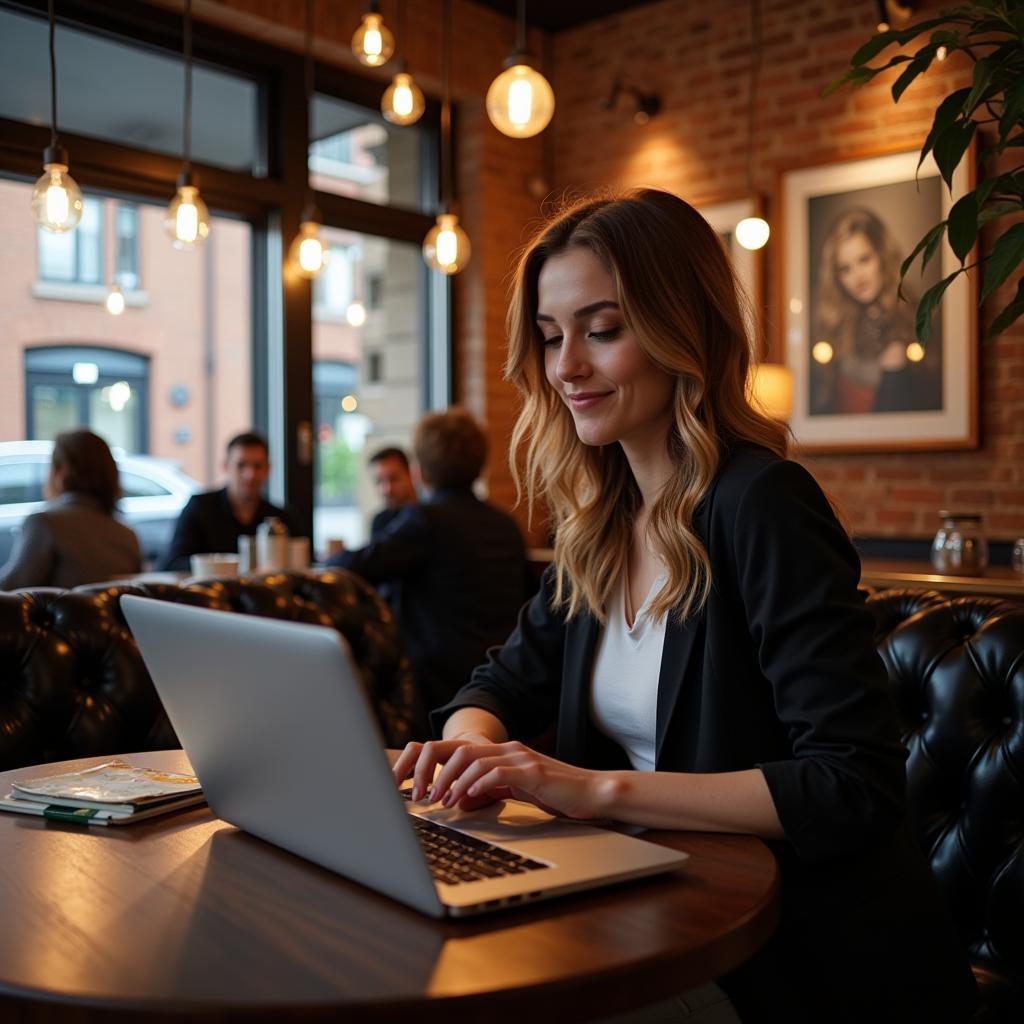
column 460, row 561
column 214, row 520
column 392, row 480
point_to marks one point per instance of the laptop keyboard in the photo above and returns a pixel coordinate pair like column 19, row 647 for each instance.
column 454, row 857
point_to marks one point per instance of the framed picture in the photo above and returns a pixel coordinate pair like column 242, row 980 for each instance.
column 723, row 217
column 861, row 381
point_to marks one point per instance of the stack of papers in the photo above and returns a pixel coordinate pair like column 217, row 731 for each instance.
column 113, row 793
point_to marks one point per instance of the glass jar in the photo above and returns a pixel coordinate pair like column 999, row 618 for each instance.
column 960, row 547
column 1017, row 556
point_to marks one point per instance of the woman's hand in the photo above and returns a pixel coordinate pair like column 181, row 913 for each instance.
column 477, row 771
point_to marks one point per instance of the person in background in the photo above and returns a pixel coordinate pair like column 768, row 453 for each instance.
column 460, row 562
column 700, row 638
column 75, row 539
column 392, row 480
column 214, row 520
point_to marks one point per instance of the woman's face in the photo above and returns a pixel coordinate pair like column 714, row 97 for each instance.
column 859, row 268
column 594, row 362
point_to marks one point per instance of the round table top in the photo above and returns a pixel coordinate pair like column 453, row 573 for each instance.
column 185, row 913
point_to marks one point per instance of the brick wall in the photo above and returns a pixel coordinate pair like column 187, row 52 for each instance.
column 697, row 57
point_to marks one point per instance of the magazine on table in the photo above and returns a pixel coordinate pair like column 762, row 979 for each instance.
column 112, row 793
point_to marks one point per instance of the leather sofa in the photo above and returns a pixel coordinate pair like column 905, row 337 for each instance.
column 72, row 682
column 957, row 673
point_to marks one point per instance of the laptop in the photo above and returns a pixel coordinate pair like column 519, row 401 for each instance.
column 275, row 721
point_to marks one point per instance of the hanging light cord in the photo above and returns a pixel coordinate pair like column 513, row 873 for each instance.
column 446, row 107
column 309, row 86
column 400, row 29
column 521, row 27
column 53, row 80
column 186, row 142
column 755, row 75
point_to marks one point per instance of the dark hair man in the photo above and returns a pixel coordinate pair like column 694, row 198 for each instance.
column 460, row 562
column 214, row 520
column 392, row 480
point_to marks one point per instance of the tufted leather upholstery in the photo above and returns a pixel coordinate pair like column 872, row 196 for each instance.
column 72, row 682
column 957, row 671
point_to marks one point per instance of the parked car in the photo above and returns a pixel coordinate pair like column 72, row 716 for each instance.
column 154, row 492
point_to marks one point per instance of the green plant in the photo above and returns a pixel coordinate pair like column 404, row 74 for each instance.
column 338, row 468
column 991, row 34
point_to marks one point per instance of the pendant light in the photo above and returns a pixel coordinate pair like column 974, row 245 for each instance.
column 446, row 247
column 373, row 42
column 56, row 198
column 752, row 232
column 402, row 102
column 308, row 254
column 520, row 102
column 187, row 220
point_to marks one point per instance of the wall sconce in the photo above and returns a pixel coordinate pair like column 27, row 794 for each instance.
column 645, row 104
column 894, row 14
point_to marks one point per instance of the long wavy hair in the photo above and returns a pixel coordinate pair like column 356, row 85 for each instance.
column 679, row 298
column 837, row 312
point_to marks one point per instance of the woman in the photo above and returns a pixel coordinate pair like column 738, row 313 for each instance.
column 701, row 619
column 859, row 313
column 76, row 538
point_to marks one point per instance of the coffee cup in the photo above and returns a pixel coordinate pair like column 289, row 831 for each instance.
column 298, row 553
column 218, row 563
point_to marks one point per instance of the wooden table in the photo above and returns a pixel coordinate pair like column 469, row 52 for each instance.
column 996, row 581
column 186, row 914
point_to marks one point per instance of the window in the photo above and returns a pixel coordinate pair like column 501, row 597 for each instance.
column 357, row 153
column 75, row 257
column 127, row 94
column 22, row 482
column 334, row 288
column 126, row 269
column 367, row 373
column 102, row 389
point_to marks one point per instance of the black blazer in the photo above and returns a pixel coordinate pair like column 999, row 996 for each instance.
column 779, row 671
column 457, row 567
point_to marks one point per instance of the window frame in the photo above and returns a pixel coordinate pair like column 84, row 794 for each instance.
column 282, row 309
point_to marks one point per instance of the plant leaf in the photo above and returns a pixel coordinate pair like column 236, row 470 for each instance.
column 873, row 47
column 945, row 115
column 997, row 210
column 1008, row 314
column 1013, row 107
column 926, row 307
column 983, row 72
column 950, row 147
column 1006, row 256
column 963, row 226
column 857, row 76
column 936, row 232
column 917, row 66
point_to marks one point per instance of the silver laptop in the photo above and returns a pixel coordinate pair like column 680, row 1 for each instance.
column 275, row 722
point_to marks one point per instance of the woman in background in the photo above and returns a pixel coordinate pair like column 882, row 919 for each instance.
column 700, row 639
column 870, row 329
column 76, row 538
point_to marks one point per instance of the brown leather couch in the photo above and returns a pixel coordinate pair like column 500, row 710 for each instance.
column 72, row 682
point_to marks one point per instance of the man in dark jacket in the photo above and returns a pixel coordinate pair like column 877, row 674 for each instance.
column 460, row 562
column 214, row 520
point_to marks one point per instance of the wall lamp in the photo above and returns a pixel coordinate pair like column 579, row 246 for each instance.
column 645, row 104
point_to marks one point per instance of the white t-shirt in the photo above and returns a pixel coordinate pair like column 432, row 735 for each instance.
column 624, row 687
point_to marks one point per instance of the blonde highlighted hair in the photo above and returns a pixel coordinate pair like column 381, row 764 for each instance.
column 678, row 297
